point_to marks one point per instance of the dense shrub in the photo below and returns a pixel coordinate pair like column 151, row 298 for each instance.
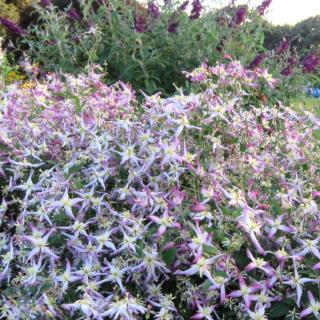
column 148, row 49
column 151, row 47
column 198, row 206
column 304, row 35
column 16, row 11
column 8, row 11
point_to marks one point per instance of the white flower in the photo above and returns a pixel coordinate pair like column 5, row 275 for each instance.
column 125, row 309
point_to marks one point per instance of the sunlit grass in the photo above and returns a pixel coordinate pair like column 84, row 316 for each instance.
column 306, row 103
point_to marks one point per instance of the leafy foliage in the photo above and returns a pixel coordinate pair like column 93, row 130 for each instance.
column 150, row 55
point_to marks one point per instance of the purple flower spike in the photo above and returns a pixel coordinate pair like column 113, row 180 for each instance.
column 45, row 3
column 73, row 14
column 11, row 26
column 240, row 16
column 310, row 63
column 287, row 71
column 172, row 26
column 153, row 10
column 257, row 61
column 140, row 24
column 183, row 6
column 263, row 7
column 283, row 46
column 196, row 10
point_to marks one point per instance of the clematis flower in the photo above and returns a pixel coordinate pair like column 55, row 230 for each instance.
column 277, row 225
column 257, row 315
column 125, row 308
column 183, row 124
column 203, row 313
column 314, row 307
column 252, row 227
column 177, row 196
column 6, row 261
column 66, row 203
column 219, row 283
column 297, row 283
column 115, row 275
column 103, row 240
column 32, row 271
column 245, row 291
column 164, row 222
column 266, row 297
column 39, row 240
column 65, row 277
column 86, row 272
column 201, row 267
column 27, row 187
column 282, row 256
column 42, row 213
column 128, row 154
column 258, row 263
column 309, row 246
column 77, row 228
column 128, row 243
column 166, row 305
column 170, row 151
column 89, row 305
column 201, row 238
column 197, row 206
column 236, row 197
column 151, row 264
column 268, row 78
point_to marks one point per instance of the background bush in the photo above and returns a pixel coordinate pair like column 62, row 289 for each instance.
column 152, row 60
column 151, row 49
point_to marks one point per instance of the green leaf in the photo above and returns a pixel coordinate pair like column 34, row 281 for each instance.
column 275, row 208
column 74, row 169
column 209, row 250
column 206, row 285
column 139, row 249
column 51, row 162
column 168, row 256
column 279, row 309
column 45, row 287
column 316, row 134
column 243, row 147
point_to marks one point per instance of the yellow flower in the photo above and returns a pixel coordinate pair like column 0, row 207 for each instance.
column 26, row 85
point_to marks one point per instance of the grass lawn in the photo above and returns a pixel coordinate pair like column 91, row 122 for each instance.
column 307, row 103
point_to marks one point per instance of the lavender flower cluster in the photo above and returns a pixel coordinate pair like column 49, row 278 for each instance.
column 192, row 207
